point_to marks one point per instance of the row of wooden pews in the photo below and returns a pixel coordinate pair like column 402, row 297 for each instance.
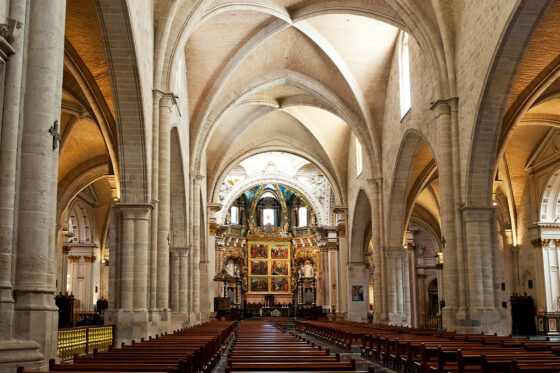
column 191, row 350
column 422, row 351
column 261, row 347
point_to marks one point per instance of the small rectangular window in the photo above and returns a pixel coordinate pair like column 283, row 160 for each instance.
column 234, row 215
column 302, row 217
column 359, row 165
column 268, row 216
column 404, row 74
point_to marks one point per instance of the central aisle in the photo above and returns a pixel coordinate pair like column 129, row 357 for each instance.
column 260, row 346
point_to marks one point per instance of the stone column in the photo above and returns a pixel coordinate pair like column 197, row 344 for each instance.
column 342, row 286
column 8, row 163
column 395, row 292
column 35, row 312
column 134, row 256
column 411, row 294
column 114, row 258
column 323, row 300
column 164, row 207
column 127, row 259
column 131, row 316
column 196, row 206
column 212, row 209
column 174, row 285
column 141, row 243
column 183, row 280
column 422, row 294
column 483, row 313
column 204, row 291
column 333, row 278
column 542, row 273
column 379, row 314
column 155, row 201
column 189, row 285
column 452, row 268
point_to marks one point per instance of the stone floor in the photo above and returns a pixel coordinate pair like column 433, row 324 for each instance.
column 361, row 363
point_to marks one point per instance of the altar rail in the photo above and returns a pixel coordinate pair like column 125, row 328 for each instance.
column 84, row 340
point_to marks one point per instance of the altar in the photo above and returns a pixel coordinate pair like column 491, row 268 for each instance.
column 270, row 259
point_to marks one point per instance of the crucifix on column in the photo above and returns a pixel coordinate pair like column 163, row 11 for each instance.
column 55, row 134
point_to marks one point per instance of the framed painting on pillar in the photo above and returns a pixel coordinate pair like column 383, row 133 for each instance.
column 357, row 293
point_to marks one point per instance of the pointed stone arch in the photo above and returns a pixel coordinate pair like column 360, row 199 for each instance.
column 399, row 205
column 499, row 80
column 324, row 99
column 361, row 227
column 114, row 18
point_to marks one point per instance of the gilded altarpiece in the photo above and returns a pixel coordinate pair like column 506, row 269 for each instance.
column 269, row 267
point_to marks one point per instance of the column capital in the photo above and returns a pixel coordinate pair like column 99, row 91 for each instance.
column 443, row 106
column 478, row 214
column 196, row 178
column 394, row 252
column 180, row 250
column 376, row 182
column 135, row 210
column 214, row 207
column 170, row 97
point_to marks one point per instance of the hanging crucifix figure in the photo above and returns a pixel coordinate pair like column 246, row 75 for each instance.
column 55, row 135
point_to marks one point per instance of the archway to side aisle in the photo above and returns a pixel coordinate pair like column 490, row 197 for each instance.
column 414, row 199
column 361, row 261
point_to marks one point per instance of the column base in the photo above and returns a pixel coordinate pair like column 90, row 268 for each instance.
column 399, row 319
column 129, row 324
column 36, row 321
column 195, row 317
column 474, row 320
column 179, row 320
column 14, row 353
column 380, row 318
column 6, row 313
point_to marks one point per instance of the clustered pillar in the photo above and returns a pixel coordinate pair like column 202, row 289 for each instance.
column 165, row 115
column 129, row 275
column 196, row 206
column 179, row 279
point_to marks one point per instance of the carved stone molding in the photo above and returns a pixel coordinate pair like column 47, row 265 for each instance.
column 73, row 259
column 180, row 250
column 90, row 259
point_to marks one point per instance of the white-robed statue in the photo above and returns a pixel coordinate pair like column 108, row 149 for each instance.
column 231, row 268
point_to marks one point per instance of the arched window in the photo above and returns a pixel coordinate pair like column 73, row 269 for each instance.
column 302, row 217
column 234, row 215
column 79, row 225
column 404, row 74
column 359, row 165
